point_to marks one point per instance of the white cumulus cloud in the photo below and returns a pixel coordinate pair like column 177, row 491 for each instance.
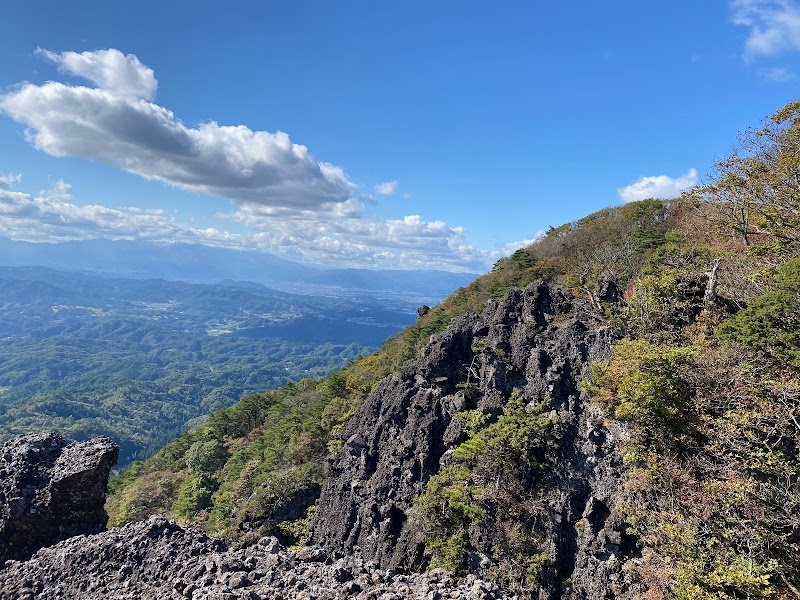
column 387, row 189
column 774, row 25
column 658, row 186
column 410, row 242
column 344, row 239
column 9, row 181
column 114, row 123
column 108, row 69
column 50, row 217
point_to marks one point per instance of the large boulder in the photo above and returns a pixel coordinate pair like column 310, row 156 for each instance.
column 51, row 490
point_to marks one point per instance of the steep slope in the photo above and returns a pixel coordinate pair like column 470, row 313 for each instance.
column 610, row 413
column 536, row 343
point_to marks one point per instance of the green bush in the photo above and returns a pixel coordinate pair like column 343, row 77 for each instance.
column 646, row 384
column 770, row 324
column 206, row 456
column 474, row 491
column 194, row 495
column 449, row 506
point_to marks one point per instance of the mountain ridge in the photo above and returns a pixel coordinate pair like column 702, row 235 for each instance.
column 197, row 263
column 610, row 413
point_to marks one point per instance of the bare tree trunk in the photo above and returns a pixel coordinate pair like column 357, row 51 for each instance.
column 593, row 299
column 746, row 226
column 710, row 295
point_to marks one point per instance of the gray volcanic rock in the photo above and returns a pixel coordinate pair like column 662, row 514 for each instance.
column 540, row 342
column 51, row 490
column 159, row 559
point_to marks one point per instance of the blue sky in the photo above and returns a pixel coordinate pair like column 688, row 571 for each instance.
column 405, row 135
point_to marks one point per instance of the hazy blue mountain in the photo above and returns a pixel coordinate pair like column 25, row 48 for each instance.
column 182, row 262
column 203, row 264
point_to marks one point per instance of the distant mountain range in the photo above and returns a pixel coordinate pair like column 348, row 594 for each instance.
column 196, row 263
column 141, row 359
column 138, row 340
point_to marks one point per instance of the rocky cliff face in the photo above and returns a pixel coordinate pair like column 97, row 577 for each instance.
column 537, row 341
column 51, row 490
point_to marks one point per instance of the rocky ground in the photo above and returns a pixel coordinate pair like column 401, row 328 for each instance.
column 160, row 559
column 52, row 545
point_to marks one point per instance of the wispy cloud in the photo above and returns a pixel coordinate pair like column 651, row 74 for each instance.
column 774, row 25
column 9, row 181
column 777, row 74
column 657, row 186
column 387, row 189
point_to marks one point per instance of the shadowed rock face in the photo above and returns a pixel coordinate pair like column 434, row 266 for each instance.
column 51, row 490
column 540, row 342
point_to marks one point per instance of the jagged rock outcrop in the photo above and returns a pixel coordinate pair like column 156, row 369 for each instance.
column 539, row 341
column 51, row 490
column 159, row 559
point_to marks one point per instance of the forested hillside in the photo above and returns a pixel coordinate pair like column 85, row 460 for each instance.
column 699, row 400
column 140, row 359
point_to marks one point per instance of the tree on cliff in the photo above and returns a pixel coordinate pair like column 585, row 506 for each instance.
column 757, row 187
